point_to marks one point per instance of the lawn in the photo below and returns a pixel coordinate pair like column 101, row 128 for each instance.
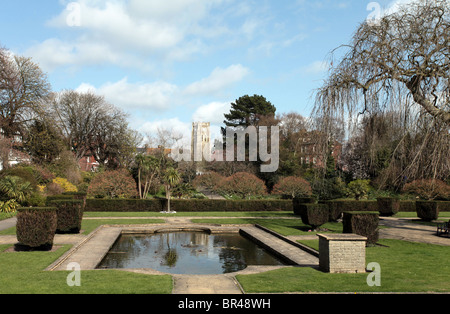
column 23, row 273
column 405, row 267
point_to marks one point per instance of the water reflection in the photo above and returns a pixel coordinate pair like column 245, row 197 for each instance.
column 187, row 253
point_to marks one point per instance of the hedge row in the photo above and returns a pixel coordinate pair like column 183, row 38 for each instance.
column 337, row 207
column 157, row 205
column 340, row 206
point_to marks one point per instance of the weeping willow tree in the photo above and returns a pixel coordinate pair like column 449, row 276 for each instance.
column 399, row 65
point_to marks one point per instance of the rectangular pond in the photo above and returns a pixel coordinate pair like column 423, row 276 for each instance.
column 195, row 253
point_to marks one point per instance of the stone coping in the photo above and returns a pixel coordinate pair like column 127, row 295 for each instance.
column 342, row 237
column 91, row 251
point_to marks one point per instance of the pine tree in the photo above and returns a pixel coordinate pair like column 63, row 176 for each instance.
column 248, row 110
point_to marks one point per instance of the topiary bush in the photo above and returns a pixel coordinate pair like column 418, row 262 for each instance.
column 334, row 211
column 70, row 215
column 314, row 215
column 36, row 227
column 362, row 223
column 427, row 210
column 78, row 196
column 388, row 206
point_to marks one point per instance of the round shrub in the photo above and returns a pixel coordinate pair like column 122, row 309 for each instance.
column 210, row 181
column 293, row 187
column 243, row 185
column 428, row 189
column 36, row 227
column 359, row 189
column 113, row 184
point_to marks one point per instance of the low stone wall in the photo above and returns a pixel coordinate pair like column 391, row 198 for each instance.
column 342, row 253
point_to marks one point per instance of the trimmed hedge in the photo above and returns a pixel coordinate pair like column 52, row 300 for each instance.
column 58, row 197
column 36, row 227
column 362, row 223
column 70, row 215
column 388, row 206
column 427, row 210
column 314, row 215
column 305, row 200
column 334, row 210
column 337, row 207
column 78, row 196
column 205, row 205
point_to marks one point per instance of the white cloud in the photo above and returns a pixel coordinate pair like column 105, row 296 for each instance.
column 218, row 80
column 213, row 112
column 157, row 95
column 163, row 96
column 53, row 53
column 174, row 128
column 129, row 33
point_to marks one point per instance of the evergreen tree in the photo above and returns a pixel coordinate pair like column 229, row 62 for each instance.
column 248, row 110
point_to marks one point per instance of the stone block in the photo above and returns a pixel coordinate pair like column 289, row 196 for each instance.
column 342, row 253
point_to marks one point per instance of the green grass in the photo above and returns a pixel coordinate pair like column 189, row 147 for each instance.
column 405, row 267
column 23, row 273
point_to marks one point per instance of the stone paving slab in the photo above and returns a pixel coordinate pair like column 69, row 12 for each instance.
column 208, row 284
column 89, row 253
column 404, row 229
column 291, row 253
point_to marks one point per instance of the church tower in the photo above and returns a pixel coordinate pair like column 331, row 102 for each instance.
column 200, row 141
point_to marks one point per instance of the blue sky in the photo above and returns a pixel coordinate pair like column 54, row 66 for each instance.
column 170, row 63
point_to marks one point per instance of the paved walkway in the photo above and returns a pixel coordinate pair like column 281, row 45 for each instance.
column 90, row 250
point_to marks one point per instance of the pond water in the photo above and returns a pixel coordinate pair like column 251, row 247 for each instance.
column 193, row 253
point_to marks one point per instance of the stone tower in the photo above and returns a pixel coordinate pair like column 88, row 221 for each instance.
column 201, row 141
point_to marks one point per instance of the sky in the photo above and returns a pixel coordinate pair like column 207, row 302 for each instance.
column 168, row 63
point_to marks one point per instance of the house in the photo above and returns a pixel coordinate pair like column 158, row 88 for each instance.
column 88, row 164
column 10, row 153
column 311, row 151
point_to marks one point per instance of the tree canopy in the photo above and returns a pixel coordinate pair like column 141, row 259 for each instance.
column 248, row 110
column 406, row 54
column 400, row 67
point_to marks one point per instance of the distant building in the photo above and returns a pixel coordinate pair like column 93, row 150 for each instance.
column 311, row 152
column 200, row 140
column 9, row 149
column 200, row 144
column 89, row 164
